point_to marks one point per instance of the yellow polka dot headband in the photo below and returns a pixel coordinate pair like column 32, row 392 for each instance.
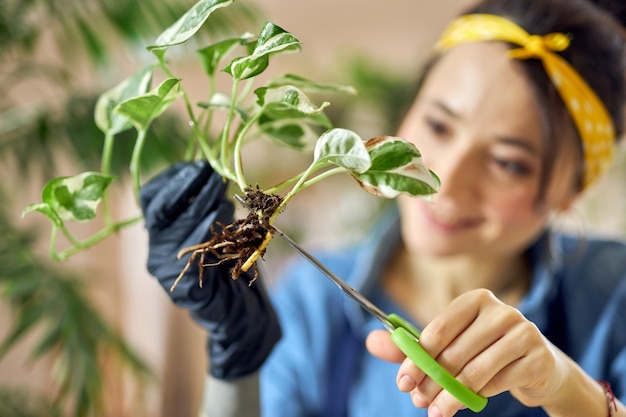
column 591, row 118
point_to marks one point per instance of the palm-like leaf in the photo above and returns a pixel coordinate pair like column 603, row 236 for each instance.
column 15, row 403
column 48, row 299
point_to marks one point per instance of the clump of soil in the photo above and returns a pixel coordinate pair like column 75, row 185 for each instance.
column 237, row 241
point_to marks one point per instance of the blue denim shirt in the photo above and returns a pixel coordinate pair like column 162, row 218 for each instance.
column 321, row 367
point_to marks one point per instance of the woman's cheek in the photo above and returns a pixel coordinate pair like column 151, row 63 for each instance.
column 516, row 206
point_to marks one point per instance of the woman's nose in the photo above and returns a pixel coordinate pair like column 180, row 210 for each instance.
column 459, row 172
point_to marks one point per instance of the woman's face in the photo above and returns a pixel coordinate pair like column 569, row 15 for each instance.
column 478, row 127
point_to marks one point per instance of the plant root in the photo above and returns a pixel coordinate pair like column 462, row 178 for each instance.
column 243, row 241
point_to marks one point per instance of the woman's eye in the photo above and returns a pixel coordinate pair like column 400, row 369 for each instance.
column 513, row 167
column 436, row 126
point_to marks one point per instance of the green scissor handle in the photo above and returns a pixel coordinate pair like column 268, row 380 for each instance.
column 406, row 337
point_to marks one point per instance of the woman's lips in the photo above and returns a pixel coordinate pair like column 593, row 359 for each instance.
column 445, row 222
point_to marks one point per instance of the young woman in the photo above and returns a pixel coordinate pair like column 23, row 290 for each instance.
column 517, row 114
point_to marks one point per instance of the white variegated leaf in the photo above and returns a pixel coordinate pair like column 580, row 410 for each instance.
column 397, row 168
column 344, row 148
column 188, row 24
column 76, row 198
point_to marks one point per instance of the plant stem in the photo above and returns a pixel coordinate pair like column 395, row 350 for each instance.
column 241, row 181
column 224, row 139
column 275, row 189
column 293, row 191
column 135, row 162
column 321, row 176
column 52, row 246
column 206, row 149
column 69, row 236
column 107, row 151
column 257, row 253
column 246, row 90
column 105, row 169
column 92, row 240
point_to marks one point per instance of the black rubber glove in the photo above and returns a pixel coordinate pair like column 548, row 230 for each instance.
column 179, row 206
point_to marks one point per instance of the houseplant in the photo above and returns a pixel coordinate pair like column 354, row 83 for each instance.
column 279, row 110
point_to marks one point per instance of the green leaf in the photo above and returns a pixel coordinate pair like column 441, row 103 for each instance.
column 288, row 102
column 287, row 94
column 287, row 115
column 144, row 109
column 46, row 210
column 212, row 55
column 273, row 39
column 305, row 84
column 188, row 24
column 389, row 153
column 396, row 168
column 106, row 119
column 75, row 198
column 344, row 148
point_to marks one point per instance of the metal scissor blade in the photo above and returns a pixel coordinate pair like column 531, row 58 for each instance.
column 344, row 286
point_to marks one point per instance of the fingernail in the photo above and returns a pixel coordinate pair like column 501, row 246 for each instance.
column 417, row 400
column 406, row 383
column 434, row 412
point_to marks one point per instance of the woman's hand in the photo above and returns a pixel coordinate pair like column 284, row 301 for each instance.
column 489, row 346
column 180, row 205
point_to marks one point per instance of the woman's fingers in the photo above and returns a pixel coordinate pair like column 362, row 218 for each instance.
column 379, row 344
column 487, row 374
column 471, row 340
column 488, row 345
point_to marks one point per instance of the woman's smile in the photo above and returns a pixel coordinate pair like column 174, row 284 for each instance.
column 448, row 222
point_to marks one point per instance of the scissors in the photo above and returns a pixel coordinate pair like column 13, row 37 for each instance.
column 403, row 333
